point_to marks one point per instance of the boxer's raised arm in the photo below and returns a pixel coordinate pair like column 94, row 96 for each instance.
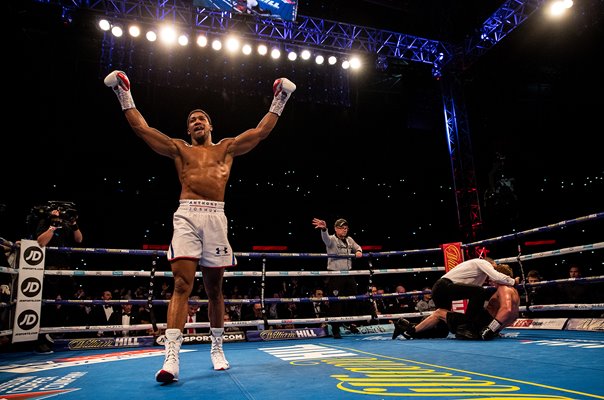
column 160, row 143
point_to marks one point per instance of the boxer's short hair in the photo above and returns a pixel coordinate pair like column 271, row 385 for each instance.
column 201, row 111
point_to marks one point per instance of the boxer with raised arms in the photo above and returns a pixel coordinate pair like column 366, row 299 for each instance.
column 200, row 225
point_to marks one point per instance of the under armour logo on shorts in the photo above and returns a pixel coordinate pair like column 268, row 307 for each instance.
column 224, row 249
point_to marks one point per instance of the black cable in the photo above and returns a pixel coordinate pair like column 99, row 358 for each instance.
column 150, row 295
column 523, row 282
column 262, row 294
column 371, row 299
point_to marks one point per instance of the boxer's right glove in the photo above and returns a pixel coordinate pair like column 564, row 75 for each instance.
column 282, row 89
column 119, row 82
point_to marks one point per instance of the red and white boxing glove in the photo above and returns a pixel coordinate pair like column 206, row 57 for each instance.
column 282, row 89
column 119, row 82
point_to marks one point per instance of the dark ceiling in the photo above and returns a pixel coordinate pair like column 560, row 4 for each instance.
column 445, row 20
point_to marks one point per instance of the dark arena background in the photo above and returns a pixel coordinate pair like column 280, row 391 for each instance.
column 470, row 122
column 368, row 145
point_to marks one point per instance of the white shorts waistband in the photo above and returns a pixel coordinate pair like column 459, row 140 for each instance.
column 203, row 205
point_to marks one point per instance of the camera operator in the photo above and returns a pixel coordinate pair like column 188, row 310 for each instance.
column 59, row 229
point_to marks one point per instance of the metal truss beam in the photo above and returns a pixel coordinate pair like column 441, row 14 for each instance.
column 507, row 18
column 306, row 31
column 461, row 156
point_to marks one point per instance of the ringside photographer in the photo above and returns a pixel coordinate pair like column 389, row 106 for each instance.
column 59, row 227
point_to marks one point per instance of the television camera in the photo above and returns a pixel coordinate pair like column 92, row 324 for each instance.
column 67, row 211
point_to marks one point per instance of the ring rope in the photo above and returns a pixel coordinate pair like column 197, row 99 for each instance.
column 138, row 252
column 543, row 254
column 245, row 273
column 264, row 274
column 300, row 321
column 591, row 279
column 545, row 228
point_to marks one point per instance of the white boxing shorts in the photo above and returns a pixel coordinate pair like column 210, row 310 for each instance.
column 200, row 233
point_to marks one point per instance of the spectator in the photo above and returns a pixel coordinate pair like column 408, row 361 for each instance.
column 125, row 317
column 574, row 292
column 102, row 312
column 426, row 303
column 315, row 309
column 194, row 315
column 227, row 319
column 400, row 304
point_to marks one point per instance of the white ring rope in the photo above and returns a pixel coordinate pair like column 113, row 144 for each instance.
column 245, row 273
column 561, row 224
column 143, row 273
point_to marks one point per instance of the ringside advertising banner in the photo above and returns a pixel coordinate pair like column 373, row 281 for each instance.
column 102, row 343
column 29, row 292
column 285, row 334
column 453, row 256
column 539, row 323
column 199, row 338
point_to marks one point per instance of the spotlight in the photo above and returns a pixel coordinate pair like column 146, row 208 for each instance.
column 151, row 36
column 216, row 44
column 292, row 56
column 332, row 60
column 202, row 41
column 246, row 49
column 262, row 50
column 167, row 35
column 232, row 44
column 104, row 25
column 275, row 53
column 305, row 54
column 319, row 60
column 355, row 63
column 134, row 31
column 117, row 31
column 183, row 40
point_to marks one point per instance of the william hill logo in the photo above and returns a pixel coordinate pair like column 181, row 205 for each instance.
column 287, row 334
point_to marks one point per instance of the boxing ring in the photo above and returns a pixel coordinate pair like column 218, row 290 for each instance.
column 536, row 358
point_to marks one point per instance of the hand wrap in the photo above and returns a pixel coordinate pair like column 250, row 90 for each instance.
column 119, row 82
column 491, row 331
column 282, row 89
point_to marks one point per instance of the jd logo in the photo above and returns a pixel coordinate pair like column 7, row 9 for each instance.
column 30, row 287
column 33, row 255
column 27, row 320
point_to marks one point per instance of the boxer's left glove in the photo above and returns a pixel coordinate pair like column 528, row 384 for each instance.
column 119, row 82
column 491, row 331
column 282, row 89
